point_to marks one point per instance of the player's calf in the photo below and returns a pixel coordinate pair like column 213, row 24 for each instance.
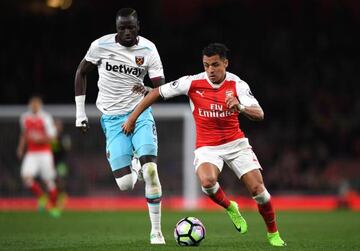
column 153, row 193
column 267, row 211
column 152, row 182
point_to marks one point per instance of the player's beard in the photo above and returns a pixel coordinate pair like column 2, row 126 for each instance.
column 128, row 43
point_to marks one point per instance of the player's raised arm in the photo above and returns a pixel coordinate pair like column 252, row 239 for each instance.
column 149, row 99
column 80, row 93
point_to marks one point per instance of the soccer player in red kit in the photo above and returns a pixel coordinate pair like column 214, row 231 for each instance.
column 216, row 98
column 37, row 130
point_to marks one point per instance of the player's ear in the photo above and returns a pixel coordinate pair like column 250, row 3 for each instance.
column 226, row 63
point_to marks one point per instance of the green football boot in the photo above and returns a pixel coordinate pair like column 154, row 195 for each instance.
column 275, row 239
column 236, row 218
column 41, row 203
column 55, row 212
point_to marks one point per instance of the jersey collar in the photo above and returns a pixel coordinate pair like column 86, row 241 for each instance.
column 215, row 86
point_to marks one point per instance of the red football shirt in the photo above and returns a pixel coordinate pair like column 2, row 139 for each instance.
column 215, row 124
column 35, row 126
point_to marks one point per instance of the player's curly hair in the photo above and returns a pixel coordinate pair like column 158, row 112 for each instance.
column 215, row 49
column 126, row 12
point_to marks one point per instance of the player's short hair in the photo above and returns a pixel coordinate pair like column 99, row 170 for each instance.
column 215, row 49
column 36, row 96
column 126, row 12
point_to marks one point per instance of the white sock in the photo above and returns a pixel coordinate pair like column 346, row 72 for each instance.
column 262, row 198
column 153, row 194
column 155, row 217
column 211, row 190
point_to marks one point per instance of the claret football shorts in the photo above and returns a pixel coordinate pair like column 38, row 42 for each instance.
column 120, row 147
column 237, row 154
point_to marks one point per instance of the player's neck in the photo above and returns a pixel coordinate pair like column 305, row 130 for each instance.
column 117, row 40
column 220, row 81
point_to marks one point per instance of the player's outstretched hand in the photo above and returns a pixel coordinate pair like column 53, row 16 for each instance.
column 141, row 89
column 128, row 126
column 82, row 125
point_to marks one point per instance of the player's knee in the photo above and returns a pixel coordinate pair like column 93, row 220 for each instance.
column 150, row 172
column 125, row 183
column 50, row 184
column 151, row 178
column 28, row 182
column 262, row 197
column 208, row 181
column 256, row 188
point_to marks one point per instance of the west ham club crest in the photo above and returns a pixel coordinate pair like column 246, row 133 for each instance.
column 139, row 60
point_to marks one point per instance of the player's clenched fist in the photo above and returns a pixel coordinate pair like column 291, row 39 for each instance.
column 233, row 104
column 83, row 125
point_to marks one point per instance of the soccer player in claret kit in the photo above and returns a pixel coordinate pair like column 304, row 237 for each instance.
column 37, row 131
column 216, row 98
column 123, row 59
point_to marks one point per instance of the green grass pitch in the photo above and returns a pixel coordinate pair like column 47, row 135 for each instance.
column 130, row 231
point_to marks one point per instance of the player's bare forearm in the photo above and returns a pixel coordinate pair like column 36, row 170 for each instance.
column 80, row 77
column 254, row 112
column 149, row 99
column 21, row 146
column 158, row 81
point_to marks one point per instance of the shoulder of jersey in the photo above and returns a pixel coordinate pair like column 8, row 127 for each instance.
column 45, row 114
column 198, row 76
column 232, row 77
column 106, row 39
column 24, row 115
column 144, row 42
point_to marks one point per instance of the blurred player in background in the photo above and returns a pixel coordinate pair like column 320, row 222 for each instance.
column 123, row 59
column 37, row 131
column 216, row 98
column 60, row 146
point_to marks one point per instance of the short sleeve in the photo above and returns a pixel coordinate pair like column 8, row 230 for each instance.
column 244, row 94
column 50, row 126
column 155, row 66
column 93, row 53
column 176, row 88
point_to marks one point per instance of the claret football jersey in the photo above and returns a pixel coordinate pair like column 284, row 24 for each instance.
column 120, row 68
column 215, row 124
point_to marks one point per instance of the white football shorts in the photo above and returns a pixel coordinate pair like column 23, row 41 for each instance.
column 38, row 163
column 237, row 154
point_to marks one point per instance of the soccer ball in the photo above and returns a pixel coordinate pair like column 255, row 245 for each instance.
column 189, row 231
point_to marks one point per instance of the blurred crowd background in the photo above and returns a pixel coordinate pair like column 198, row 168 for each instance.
column 300, row 58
